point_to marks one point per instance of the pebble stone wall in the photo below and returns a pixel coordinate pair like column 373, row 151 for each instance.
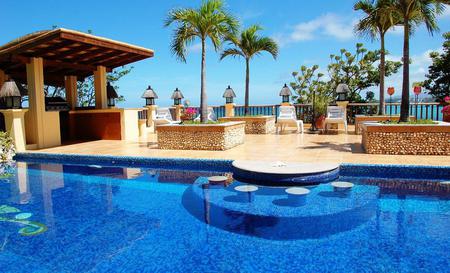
column 255, row 125
column 406, row 143
column 201, row 137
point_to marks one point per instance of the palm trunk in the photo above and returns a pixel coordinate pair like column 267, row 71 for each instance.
column 404, row 108
column 247, row 87
column 203, row 96
column 382, row 74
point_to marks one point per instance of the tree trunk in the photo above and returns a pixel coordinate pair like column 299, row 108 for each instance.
column 382, row 74
column 247, row 87
column 203, row 96
column 404, row 108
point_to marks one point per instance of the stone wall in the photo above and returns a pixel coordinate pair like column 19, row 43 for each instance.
column 412, row 140
column 216, row 137
column 255, row 125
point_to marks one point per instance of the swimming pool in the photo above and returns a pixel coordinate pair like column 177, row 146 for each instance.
column 116, row 215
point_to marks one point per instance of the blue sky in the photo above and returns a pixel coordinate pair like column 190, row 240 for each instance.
column 308, row 32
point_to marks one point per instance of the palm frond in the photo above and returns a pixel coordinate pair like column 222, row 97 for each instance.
column 233, row 52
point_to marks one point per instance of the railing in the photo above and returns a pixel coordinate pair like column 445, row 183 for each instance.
column 430, row 110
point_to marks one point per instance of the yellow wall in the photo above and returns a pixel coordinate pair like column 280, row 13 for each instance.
column 42, row 128
column 129, row 124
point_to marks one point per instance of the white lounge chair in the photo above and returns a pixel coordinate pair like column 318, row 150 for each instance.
column 336, row 115
column 163, row 116
column 287, row 116
column 211, row 115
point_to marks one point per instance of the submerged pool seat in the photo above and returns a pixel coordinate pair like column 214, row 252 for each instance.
column 284, row 174
column 288, row 116
column 163, row 116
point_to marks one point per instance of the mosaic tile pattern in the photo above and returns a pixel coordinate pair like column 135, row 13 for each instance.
column 396, row 171
column 101, row 220
column 130, row 161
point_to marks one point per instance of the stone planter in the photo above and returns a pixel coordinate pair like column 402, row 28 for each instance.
column 256, row 124
column 359, row 119
column 215, row 137
column 405, row 139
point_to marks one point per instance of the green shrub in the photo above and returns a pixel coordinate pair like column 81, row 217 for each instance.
column 7, row 149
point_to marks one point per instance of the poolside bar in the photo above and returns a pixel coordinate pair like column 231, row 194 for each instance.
column 61, row 58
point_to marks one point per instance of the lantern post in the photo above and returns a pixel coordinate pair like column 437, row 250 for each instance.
column 390, row 92
column 417, row 90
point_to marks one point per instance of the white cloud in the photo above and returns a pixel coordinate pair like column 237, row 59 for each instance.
column 397, row 30
column 197, row 47
column 250, row 14
column 418, row 68
column 329, row 25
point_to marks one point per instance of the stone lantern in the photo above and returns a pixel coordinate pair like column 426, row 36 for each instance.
column 342, row 91
column 149, row 96
column 111, row 95
column 10, row 95
column 177, row 96
column 229, row 96
column 285, row 93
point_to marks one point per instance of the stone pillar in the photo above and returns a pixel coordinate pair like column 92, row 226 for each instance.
column 342, row 104
column 151, row 113
column 71, row 91
column 286, row 104
column 15, row 126
column 101, row 100
column 229, row 109
column 178, row 110
column 36, row 101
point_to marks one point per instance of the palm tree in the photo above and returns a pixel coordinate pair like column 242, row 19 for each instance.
column 247, row 45
column 379, row 18
column 413, row 13
column 210, row 20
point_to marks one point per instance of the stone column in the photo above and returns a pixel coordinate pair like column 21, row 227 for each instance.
column 36, row 101
column 286, row 104
column 101, row 100
column 178, row 110
column 229, row 109
column 342, row 104
column 15, row 126
column 151, row 113
column 71, row 91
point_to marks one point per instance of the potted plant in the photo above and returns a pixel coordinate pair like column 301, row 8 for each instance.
column 188, row 114
column 320, row 105
column 446, row 110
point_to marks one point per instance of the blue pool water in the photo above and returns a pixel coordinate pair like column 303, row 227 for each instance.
column 92, row 218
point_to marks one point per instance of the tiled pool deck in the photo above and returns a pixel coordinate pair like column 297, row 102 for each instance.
column 340, row 148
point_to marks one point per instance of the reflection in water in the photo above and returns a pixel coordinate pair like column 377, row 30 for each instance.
column 291, row 201
column 250, row 221
column 108, row 219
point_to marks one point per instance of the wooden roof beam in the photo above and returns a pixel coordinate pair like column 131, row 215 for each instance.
column 104, row 43
column 53, row 47
column 70, row 54
column 93, row 55
column 112, row 56
column 74, row 66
